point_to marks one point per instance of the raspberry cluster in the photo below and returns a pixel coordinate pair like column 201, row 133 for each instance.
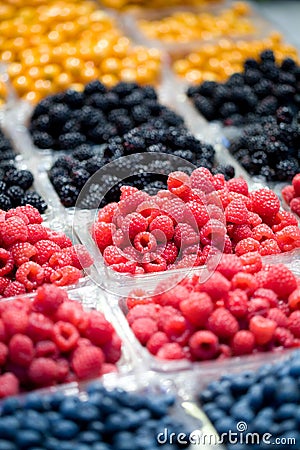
column 246, row 97
column 291, row 194
column 243, row 308
column 198, row 215
column 51, row 340
column 31, row 254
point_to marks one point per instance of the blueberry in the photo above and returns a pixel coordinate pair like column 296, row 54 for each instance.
column 240, row 385
column 53, row 417
column 89, row 437
column 88, row 412
column 255, row 397
column 294, row 369
column 109, row 405
column 297, row 414
column 269, row 385
column 27, row 438
column 35, row 421
column 206, row 396
column 10, row 405
column 114, row 422
column 286, row 411
column 289, row 440
column 241, row 411
column 69, row 408
column 65, row 430
column 224, row 402
column 96, row 425
column 82, row 446
column 209, row 407
column 100, row 446
column 8, row 427
column 225, row 424
column 288, row 425
column 51, row 443
column 34, row 401
column 7, row 445
column 216, row 415
column 287, row 394
column 124, row 440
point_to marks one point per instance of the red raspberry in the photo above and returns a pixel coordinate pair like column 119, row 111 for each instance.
column 32, row 213
column 145, row 242
column 223, row 195
column 133, row 224
column 258, row 307
column 172, row 297
column 87, row 362
column 278, row 316
column 126, row 191
column 229, row 266
column 36, row 232
column 238, row 185
column 2, row 331
column 203, row 180
column 150, row 210
column 13, row 230
column 219, row 181
column 204, row 345
column 99, row 330
column 113, row 349
column 46, row 349
column 243, row 343
column 39, row 327
column 171, row 351
column 294, row 323
column 246, row 246
column 288, row 238
column 102, row 234
column 59, row 238
column 239, row 232
column 245, row 281
column 196, row 308
column 296, row 184
column 156, row 342
column 130, row 204
column 9, row 385
column 283, row 219
column 283, row 337
column 62, row 370
column 48, row 271
column 200, row 212
column 6, row 262
column 269, row 247
column 128, row 267
column 59, row 259
column 251, row 262
column 65, row 276
column 21, row 350
column 236, row 212
column 14, row 288
column 222, row 323
column 268, row 294
column 81, row 259
column 170, row 253
column 144, row 328
column 22, row 252
column 48, row 298
column 254, row 219
column 213, row 231
column 113, row 255
column 4, row 282
column 138, row 297
column 150, row 310
column 263, row 329
column 281, row 280
column 43, row 372
column 164, row 224
column 45, row 249
column 294, row 300
column 31, row 275
column 71, row 311
column 178, row 329
column 288, row 193
column 65, row 336
column 158, row 264
column 107, row 213
column 265, row 203
column 179, row 184
column 225, row 352
column 237, row 303
column 3, row 354
column 262, row 232
column 217, row 286
column 14, row 213
column 185, row 235
column 295, row 205
column 243, row 198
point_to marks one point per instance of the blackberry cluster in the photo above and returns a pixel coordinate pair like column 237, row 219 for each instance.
column 271, row 148
column 69, row 173
column 69, row 119
column 6, row 151
column 245, row 97
column 16, row 188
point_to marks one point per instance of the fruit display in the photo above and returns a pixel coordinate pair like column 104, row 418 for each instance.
column 197, row 214
column 243, row 308
column 64, row 44
column 266, row 401
column 51, row 340
column 190, row 26
column 291, row 194
column 218, row 61
column 32, row 254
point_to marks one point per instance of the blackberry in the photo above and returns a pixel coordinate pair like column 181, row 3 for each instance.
column 3, row 187
column 270, row 71
column 5, row 202
column 228, row 109
column 207, row 88
column 73, row 99
column 60, row 181
column 267, row 55
column 42, row 107
column 263, row 88
column 252, row 76
column 80, row 177
column 185, row 154
column 22, row 178
column 222, row 94
column 71, row 126
column 171, row 118
column 205, row 107
column 104, row 102
column 8, row 155
column 149, row 93
column 124, row 88
column 69, row 141
column 284, row 114
column 228, row 171
column 287, row 169
column 42, row 123
column 124, row 124
column 158, row 148
column 15, row 193
column 42, row 139
column 236, row 79
column 89, row 117
column 288, row 65
column 140, row 114
column 284, row 92
column 287, row 78
column 83, row 152
column 93, row 199
column 34, row 199
column 93, row 164
column 154, row 186
column 68, row 195
column 267, row 106
column 55, row 172
column 251, row 63
column 259, row 159
column 268, row 173
column 133, row 99
column 59, row 114
column 66, row 162
column 94, row 87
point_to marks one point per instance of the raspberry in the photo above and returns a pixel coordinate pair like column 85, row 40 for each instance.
column 43, row 372
column 268, row 294
column 222, row 323
column 294, row 323
column 32, row 213
column 48, row 271
column 223, row 195
column 254, row 219
column 295, row 205
column 133, row 224
column 48, row 298
column 213, row 231
column 31, row 275
column 173, row 297
column 156, row 342
column 178, row 329
column 6, row 262
column 65, row 336
column 171, row 351
column 288, row 193
column 145, row 242
column 269, row 247
column 217, row 286
column 144, row 328
column 107, row 213
column 278, row 316
column 58, row 238
column 65, row 276
column 203, row 180
column 246, row 246
column 158, row 264
column 113, row 349
column 4, row 282
column 237, row 303
column 87, row 362
column 294, row 300
column 113, row 255
column 128, row 267
column 22, row 252
column 199, row 212
column 265, row 203
column 164, row 224
column 126, row 191
column 236, row 212
column 243, row 343
column 149, row 209
column 2, row 331
column 149, row 310
column 13, row 230
column 238, row 185
column 219, row 181
column 9, row 385
column 288, row 238
column 170, row 253
column 229, row 266
column 45, row 250
column 71, row 311
column 240, row 232
column 258, row 307
column 283, row 219
column 59, row 259
column 251, row 262
column 14, row 288
column 196, row 308
column 179, row 184
column 296, row 185
column 185, row 235
column 281, row 280
column 46, row 349
column 263, row 329
column 81, row 259
column 130, row 204
column 99, row 330
column 15, row 213
column 204, row 345
column 36, row 232
column 39, row 327
column 262, row 232
column 102, row 234
column 283, row 337
column 244, row 281
column 246, row 200
column 175, row 208
column 21, row 350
